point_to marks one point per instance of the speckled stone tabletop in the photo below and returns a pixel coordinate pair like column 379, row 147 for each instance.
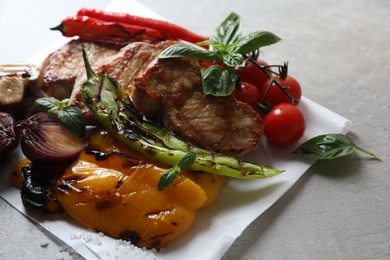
column 339, row 50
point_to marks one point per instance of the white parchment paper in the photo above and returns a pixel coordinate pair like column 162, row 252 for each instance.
column 215, row 228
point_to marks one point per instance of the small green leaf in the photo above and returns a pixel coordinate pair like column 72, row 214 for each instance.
column 254, row 41
column 229, row 31
column 218, row 81
column 329, row 146
column 189, row 51
column 169, row 175
column 45, row 103
column 65, row 101
column 72, row 119
column 53, row 110
column 167, row 179
column 233, row 60
column 186, row 160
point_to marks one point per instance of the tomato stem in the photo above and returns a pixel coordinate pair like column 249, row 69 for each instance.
column 283, row 73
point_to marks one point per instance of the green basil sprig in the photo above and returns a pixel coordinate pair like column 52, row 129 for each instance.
column 69, row 116
column 329, row 146
column 227, row 46
column 169, row 175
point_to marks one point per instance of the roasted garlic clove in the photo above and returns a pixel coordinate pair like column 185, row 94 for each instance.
column 15, row 81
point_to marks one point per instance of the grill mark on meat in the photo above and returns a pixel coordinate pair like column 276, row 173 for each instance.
column 173, row 79
column 63, row 66
column 170, row 91
column 123, row 67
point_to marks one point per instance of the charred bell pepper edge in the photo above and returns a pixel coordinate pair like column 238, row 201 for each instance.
column 107, row 102
column 168, row 28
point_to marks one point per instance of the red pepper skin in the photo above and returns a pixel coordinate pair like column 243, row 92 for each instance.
column 92, row 29
column 172, row 30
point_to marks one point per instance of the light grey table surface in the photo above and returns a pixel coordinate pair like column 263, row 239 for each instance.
column 339, row 50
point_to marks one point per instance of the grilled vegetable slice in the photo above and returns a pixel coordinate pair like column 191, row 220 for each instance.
column 8, row 136
column 114, row 110
column 99, row 139
column 45, row 141
column 118, row 196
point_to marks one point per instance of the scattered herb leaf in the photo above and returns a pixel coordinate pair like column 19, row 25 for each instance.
column 69, row 116
column 45, row 104
column 229, row 31
column 186, row 160
column 183, row 50
column 72, row 118
column 218, row 81
column 169, row 176
column 329, row 146
column 255, row 41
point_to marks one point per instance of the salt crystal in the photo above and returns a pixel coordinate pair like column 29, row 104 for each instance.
column 75, row 236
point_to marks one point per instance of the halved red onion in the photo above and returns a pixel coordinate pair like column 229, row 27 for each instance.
column 8, row 136
column 44, row 140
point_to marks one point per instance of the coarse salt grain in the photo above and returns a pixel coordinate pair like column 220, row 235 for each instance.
column 122, row 249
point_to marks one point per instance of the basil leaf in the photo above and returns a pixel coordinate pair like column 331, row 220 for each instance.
column 217, row 47
column 45, row 104
column 183, row 50
column 186, row 160
column 229, row 31
column 167, row 179
column 254, row 41
column 218, row 81
column 329, row 146
column 72, row 119
column 233, row 59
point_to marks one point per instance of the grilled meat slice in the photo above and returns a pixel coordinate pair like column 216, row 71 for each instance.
column 170, row 90
column 220, row 124
column 123, row 67
column 61, row 68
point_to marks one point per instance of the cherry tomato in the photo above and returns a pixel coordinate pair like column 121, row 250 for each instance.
column 206, row 64
column 284, row 125
column 248, row 93
column 252, row 74
column 276, row 96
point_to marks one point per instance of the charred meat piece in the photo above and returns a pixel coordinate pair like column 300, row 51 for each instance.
column 170, row 90
column 123, row 67
column 61, row 68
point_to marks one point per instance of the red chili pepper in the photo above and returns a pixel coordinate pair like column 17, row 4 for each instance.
column 92, row 29
column 164, row 27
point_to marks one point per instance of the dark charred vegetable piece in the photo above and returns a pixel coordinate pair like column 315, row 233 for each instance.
column 44, row 140
column 114, row 110
column 166, row 28
column 37, row 190
column 92, row 29
column 8, row 136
